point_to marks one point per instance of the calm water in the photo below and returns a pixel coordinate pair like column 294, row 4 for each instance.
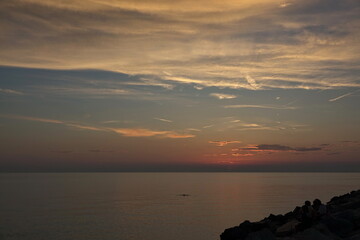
column 148, row 206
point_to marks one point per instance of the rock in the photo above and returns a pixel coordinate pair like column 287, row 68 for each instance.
column 356, row 214
column 342, row 222
column 276, row 218
column 326, row 231
column 264, row 234
column 347, row 215
column 242, row 230
column 339, row 226
column 234, row 233
column 287, row 228
column 354, row 237
column 311, row 234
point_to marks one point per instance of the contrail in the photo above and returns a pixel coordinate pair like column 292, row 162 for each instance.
column 342, row 96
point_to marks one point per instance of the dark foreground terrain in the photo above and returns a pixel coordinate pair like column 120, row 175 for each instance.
column 342, row 221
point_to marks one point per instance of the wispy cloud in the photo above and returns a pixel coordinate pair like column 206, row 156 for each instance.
column 178, row 135
column 242, row 154
column 198, row 43
column 193, row 129
column 163, row 120
column 138, row 132
column 222, row 96
column 342, row 96
column 142, row 132
column 279, row 148
column 36, row 119
column 263, row 125
column 89, row 91
column 85, row 127
column 223, row 143
column 111, row 121
column 127, row 132
column 251, row 125
column 261, row 106
column 10, row 91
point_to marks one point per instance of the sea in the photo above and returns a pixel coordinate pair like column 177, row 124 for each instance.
column 152, row 206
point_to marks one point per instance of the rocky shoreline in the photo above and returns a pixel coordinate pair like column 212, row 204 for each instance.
column 342, row 221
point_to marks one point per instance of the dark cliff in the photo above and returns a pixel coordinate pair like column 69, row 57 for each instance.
column 341, row 221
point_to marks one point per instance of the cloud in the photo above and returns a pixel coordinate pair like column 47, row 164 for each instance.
column 279, row 148
column 251, row 125
column 54, row 121
column 102, row 92
column 273, row 147
column 236, row 44
column 222, row 96
column 252, row 82
column 127, row 132
column 198, row 87
column 194, row 129
column 307, row 149
column 242, row 154
column 111, row 121
column 138, row 132
column 177, row 135
column 142, row 132
column 84, row 127
column 267, row 125
column 223, row 143
column 342, row 96
column 163, row 120
column 10, row 91
column 285, row 4
column 256, row 126
column 35, row 119
column 261, row 106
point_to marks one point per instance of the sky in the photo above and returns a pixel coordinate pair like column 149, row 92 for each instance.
column 137, row 85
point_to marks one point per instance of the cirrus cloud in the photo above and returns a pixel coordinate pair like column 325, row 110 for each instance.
column 236, row 44
column 126, row 132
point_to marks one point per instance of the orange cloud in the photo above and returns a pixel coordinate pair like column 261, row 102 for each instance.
column 223, row 143
column 176, row 135
column 242, row 154
column 138, row 132
column 142, row 132
column 127, row 132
